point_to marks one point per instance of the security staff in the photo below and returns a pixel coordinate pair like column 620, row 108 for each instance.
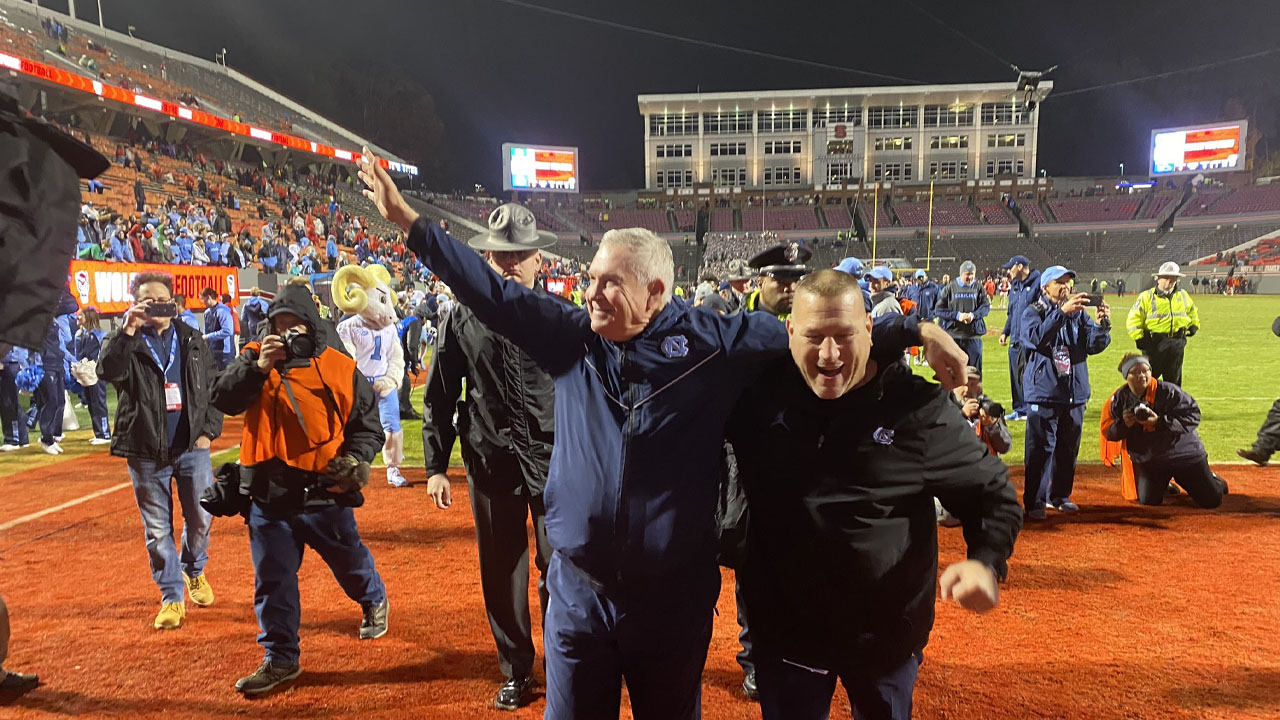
column 962, row 309
column 1160, row 322
column 1024, row 289
column 1059, row 337
column 778, row 269
column 311, row 428
column 739, row 276
column 507, row 428
column 842, row 451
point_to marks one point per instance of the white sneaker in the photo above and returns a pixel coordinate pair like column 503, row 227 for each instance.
column 59, row 438
column 8, row 448
column 395, row 478
column 100, row 441
column 53, row 449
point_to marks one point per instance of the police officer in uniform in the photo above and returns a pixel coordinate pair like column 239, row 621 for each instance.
column 1160, row 322
column 507, row 428
column 739, row 276
column 778, row 268
column 962, row 307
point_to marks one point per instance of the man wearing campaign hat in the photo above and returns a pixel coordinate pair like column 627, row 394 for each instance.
column 506, row 447
column 1160, row 322
column 1059, row 337
column 779, row 268
column 1024, row 289
column 739, row 276
column 962, row 309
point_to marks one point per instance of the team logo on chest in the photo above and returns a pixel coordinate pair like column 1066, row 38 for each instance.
column 675, row 346
column 883, row 435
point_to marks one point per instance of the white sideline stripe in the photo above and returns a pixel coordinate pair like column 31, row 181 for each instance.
column 63, row 506
column 1219, row 399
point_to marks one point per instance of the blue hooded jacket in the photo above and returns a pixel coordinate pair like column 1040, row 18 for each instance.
column 1045, row 330
column 220, row 330
column 634, row 479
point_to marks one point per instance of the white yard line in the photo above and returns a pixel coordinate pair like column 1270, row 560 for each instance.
column 63, row 506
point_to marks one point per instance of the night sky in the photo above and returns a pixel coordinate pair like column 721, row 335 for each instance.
column 499, row 72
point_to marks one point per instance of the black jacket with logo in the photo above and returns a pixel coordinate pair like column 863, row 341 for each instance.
column 506, row 421
column 141, row 431
column 842, row 549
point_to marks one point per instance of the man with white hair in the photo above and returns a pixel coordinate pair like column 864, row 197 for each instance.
column 644, row 388
column 1162, row 319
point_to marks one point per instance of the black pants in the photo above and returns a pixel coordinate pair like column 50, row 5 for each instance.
column 503, row 542
column 744, row 632
column 1269, row 434
column 973, row 348
column 406, row 387
column 1165, row 354
column 55, row 399
column 792, row 691
column 1194, row 476
column 11, row 415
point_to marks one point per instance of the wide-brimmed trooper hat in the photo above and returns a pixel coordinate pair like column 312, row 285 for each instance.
column 1169, row 269
column 512, row 228
column 738, row 269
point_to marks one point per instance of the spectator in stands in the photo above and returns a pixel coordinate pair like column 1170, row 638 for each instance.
column 331, row 253
column 164, row 426
column 962, row 308
column 267, row 256
column 1268, row 441
column 1155, row 423
column 87, row 346
column 1024, row 290
column 1162, row 319
column 199, row 256
column 1058, row 336
column 219, row 328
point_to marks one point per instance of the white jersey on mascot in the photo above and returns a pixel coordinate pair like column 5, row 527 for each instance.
column 373, row 341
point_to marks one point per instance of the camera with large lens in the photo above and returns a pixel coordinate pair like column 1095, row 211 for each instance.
column 1143, row 412
column 992, row 408
column 298, row 345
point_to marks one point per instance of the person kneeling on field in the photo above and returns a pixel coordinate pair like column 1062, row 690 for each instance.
column 1155, row 424
column 311, row 428
column 841, row 452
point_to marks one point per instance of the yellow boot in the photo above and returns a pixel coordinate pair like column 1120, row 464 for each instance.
column 200, row 590
column 171, row 614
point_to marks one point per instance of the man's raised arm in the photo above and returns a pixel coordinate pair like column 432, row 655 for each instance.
column 549, row 330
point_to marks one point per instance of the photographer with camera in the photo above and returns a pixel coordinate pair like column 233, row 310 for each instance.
column 985, row 416
column 162, row 371
column 1155, row 422
column 1162, row 319
column 311, row 428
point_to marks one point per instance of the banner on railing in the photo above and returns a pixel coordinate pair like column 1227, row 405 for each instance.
column 105, row 285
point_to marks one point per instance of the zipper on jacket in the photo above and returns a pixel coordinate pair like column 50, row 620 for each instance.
column 628, row 425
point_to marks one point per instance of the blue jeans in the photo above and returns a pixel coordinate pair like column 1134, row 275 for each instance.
column 193, row 472
column 789, row 691
column 1053, row 442
column 276, row 540
column 54, row 400
column 655, row 638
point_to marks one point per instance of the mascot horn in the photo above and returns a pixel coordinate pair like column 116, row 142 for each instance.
column 371, row 337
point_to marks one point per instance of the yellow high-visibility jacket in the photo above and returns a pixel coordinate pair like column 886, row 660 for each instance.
column 1155, row 313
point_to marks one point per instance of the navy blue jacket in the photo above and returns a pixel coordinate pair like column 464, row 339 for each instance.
column 1174, row 439
column 924, row 296
column 1044, row 328
column 639, row 428
column 955, row 299
column 1021, row 294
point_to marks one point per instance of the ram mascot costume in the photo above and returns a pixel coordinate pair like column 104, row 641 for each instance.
column 372, row 338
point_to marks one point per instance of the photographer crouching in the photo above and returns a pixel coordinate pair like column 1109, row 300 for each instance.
column 1156, row 424
column 986, row 417
column 311, row 428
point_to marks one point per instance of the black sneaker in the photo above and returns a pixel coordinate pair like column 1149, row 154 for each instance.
column 749, row 687
column 1255, row 455
column 266, row 678
column 1222, row 483
column 13, row 684
column 374, row 624
column 514, row 693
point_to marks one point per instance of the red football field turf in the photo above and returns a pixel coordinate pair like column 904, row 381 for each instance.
column 1120, row 612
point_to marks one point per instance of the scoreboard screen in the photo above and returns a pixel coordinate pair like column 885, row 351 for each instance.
column 1198, row 149
column 542, row 168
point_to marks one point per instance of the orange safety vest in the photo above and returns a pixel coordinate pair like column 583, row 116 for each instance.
column 324, row 395
column 1110, row 448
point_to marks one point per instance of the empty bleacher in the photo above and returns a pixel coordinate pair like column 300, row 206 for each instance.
column 1106, row 208
column 784, row 218
column 944, row 214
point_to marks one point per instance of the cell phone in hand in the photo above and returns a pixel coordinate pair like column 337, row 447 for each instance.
column 1093, row 300
column 162, row 310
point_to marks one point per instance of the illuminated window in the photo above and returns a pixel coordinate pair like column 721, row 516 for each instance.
column 892, row 116
column 837, row 116
column 893, row 143
column 782, row 120
column 1006, row 113
column 949, row 142
column 661, row 125
column 948, row 115
column 723, row 123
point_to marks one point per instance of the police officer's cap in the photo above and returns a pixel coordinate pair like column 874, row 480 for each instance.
column 782, row 261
